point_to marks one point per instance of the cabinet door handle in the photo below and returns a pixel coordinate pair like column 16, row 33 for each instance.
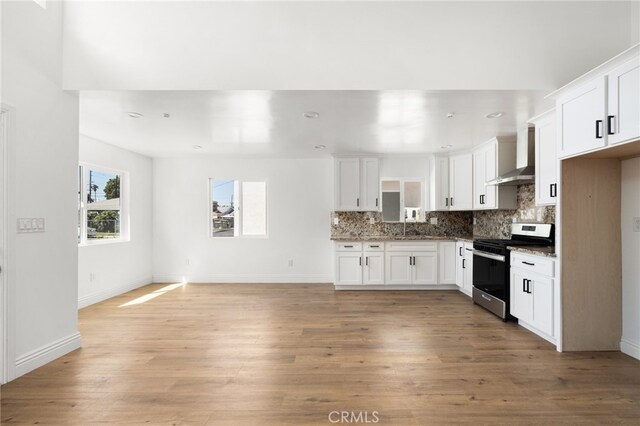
column 360, row 260
column 366, row 260
column 529, row 263
column 598, row 129
column 452, row 201
column 460, row 251
column 610, row 125
column 410, row 261
column 553, row 191
column 414, row 261
column 528, row 284
column 524, row 285
column 464, row 266
column 469, row 249
column 348, row 246
column 376, row 202
column 375, row 246
column 446, row 202
column 358, row 202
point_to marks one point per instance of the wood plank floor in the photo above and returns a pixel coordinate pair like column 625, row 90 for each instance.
column 290, row 354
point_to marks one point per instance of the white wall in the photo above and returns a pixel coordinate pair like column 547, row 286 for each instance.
column 299, row 197
column 339, row 45
column 122, row 266
column 43, row 156
column 630, row 258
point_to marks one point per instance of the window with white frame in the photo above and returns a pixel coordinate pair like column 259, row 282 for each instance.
column 237, row 208
column 100, row 205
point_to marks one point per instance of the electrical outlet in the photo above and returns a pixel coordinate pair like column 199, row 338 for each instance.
column 30, row 225
column 434, row 220
column 372, row 220
column 636, row 224
column 92, row 277
column 336, row 221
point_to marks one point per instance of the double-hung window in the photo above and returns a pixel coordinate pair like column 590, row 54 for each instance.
column 101, row 206
column 237, row 208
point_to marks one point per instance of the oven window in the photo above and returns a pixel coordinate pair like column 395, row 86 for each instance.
column 490, row 276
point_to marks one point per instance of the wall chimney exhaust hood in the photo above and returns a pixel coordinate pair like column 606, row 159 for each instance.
column 525, row 161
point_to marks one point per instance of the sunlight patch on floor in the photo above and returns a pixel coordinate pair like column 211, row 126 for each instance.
column 152, row 295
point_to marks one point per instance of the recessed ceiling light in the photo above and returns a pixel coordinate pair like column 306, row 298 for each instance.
column 450, row 115
column 446, row 146
column 319, row 146
column 166, row 115
column 496, row 114
column 134, row 114
column 311, row 114
column 197, row 147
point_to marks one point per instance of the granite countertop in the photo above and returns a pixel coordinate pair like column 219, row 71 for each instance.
column 402, row 238
column 537, row 250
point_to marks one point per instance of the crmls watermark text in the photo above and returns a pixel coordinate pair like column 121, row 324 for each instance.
column 354, row 417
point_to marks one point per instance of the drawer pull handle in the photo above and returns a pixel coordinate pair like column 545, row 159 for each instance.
column 375, row 246
column 348, row 246
column 529, row 263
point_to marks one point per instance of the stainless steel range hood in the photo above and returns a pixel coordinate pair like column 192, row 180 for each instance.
column 525, row 161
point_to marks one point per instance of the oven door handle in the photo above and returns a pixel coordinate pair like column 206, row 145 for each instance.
column 497, row 257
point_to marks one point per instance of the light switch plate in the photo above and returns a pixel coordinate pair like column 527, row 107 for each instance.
column 336, row 221
column 636, row 224
column 29, row 225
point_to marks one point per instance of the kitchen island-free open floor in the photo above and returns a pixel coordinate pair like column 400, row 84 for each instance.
column 291, row 354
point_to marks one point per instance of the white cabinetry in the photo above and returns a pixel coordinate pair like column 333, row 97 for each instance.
column 447, row 262
column 357, row 184
column 439, row 183
column 411, row 263
column 490, row 160
column 546, row 159
column 358, row 263
column 581, row 114
column 623, row 116
column 600, row 108
column 395, row 264
column 532, row 293
column 464, row 267
column 461, row 182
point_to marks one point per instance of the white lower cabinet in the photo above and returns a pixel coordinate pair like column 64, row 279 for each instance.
column 373, row 268
column 464, row 267
column 447, row 262
column 401, row 263
column 532, row 294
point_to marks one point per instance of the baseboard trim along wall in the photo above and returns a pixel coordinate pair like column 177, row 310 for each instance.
column 248, row 279
column 99, row 296
column 630, row 348
column 398, row 287
column 45, row 354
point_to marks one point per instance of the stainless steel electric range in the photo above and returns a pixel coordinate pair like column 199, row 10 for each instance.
column 491, row 264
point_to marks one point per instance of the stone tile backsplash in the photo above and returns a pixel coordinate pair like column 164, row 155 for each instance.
column 497, row 223
column 489, row 224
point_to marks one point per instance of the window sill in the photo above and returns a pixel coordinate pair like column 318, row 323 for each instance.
column 104, row 242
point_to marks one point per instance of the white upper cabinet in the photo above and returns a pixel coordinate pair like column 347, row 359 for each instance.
column 439, row 183
column 581, row 114
column 600, row 108
column 461, row 182
column 546, row 159
column 490, row 160
column 623, row 119
column 357, row 184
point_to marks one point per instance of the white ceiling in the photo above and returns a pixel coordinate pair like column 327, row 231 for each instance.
column 271, row 123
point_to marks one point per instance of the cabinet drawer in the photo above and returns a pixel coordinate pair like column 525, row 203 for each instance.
column 537, row 264
column 412, row 246
column 348, row 246
column 379, row 246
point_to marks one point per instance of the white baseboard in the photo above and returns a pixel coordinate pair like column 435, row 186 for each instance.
column 99, row 296
column 45, row 354
column 397, row 287
column 630, row 348
column 248, row 279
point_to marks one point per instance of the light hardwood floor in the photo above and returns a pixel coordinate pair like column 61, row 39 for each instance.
column 290, row 354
